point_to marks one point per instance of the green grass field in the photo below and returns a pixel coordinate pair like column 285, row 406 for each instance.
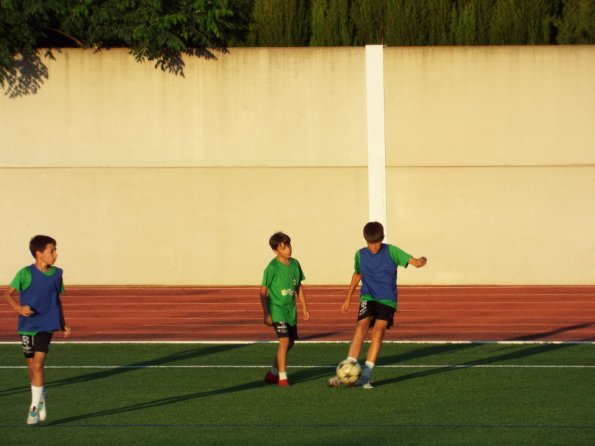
column 427, row 394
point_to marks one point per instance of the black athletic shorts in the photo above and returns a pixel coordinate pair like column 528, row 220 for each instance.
column 38, row 343
column 284, row 330
column 377, row 311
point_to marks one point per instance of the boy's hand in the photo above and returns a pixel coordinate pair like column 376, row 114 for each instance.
column 345, row 306
column 25, row 310
column 268, row 320
column 418, row 263
column 67, row 330
column 306, row 314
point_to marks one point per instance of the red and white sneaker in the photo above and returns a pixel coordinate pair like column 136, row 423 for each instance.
column 283, row 383
column 334, row 382
column 270, row 378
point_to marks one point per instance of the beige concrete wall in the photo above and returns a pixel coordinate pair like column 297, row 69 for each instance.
column 148, row 178
column 185, row 226
column 256, row 107
column 491, row 162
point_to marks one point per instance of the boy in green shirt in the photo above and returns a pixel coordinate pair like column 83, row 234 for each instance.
column 281, row 281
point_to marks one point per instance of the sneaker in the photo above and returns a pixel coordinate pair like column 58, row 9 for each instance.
column 283, row 383
column 334, row 382
column 33, row 417
column 270, row 378
column 364, row 382
column 42, row 408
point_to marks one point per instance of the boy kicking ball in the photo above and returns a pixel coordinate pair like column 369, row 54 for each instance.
column 376, row 267
column 40, row 314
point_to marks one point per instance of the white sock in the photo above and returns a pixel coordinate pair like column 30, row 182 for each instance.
column 282, row 375
column 351, row 358
column 36, row 395
column 368, row 369
column 274, row 370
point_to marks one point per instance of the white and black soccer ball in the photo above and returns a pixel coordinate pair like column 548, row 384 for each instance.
column 348, row 372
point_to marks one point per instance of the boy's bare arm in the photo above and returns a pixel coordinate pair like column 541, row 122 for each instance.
column 355, row 279
column 302, row 297
column 23, row 310
column 418, row 263
column 264, row 296
column 65, row 327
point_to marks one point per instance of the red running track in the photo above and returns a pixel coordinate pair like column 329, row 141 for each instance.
column 470, row 313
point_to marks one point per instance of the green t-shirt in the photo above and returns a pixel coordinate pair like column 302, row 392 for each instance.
column 282, row 282
column 22, row 281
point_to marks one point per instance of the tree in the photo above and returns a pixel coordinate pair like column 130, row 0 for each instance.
column 280, row 23
column 368, row 21
column 406, row 22
column 331, row 23
column 577, row 25
column 154, row 30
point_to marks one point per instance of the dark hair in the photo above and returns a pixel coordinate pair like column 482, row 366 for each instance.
column 39, row 242
column 373, row 232
column 277, row 238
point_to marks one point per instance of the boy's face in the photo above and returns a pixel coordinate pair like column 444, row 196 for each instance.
column 283, row 251
column 48, row 255
column 374, row 247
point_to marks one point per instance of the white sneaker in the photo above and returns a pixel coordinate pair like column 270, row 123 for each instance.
column 33, row 417
column 43, row 408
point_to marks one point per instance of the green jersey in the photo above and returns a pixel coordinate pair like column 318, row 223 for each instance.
column 282, row 282
column 23, row 279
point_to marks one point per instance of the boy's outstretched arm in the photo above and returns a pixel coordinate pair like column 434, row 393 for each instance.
column 264, row 296
column 23, row 310
column 302, row 297
column 418, row 263
column 354, row 283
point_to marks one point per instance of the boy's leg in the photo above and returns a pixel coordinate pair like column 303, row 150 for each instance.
column 376, row 343
column 36, row 369
column 35, row 348
column 287, row 335
column 380, row 327
column 36, row 366
column 355, row 348
column 359, row 335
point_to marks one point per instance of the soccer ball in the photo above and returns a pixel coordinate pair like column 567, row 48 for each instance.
column 348, row 372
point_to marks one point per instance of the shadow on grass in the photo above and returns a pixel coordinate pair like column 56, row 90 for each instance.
column 522, row 353
column 295, row 377
column 547, row 334
column 126, row 368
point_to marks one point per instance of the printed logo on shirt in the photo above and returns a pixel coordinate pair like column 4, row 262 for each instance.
column 287, row 292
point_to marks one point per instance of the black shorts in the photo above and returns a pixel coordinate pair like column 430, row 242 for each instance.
column 284, row 330
column 376, row 310
column 38, row 343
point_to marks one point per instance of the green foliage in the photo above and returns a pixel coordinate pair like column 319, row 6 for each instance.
column 280, row 23
column 331, row 23
column 159, row 31
column 164, row 31
column 577, row 25
column 439, row 12
column 368, row 21
column 407, row 22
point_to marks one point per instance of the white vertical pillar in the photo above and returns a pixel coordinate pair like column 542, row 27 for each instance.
column 376, row 138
